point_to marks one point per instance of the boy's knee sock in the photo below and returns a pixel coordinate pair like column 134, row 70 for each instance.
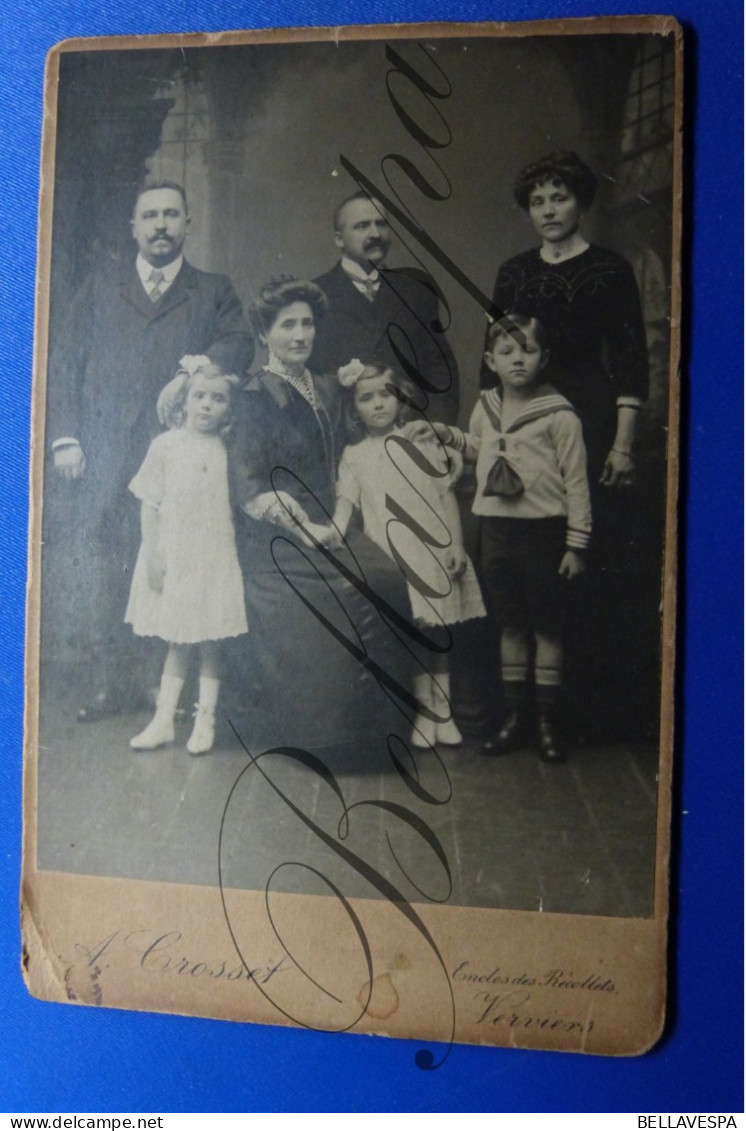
column 515, row 685
column 548, row 687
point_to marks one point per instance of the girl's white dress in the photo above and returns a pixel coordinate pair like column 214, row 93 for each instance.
column 399, row 487
column 185, row 476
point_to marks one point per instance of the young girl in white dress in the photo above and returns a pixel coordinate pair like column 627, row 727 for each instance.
column 187, row 586
column 403, row 487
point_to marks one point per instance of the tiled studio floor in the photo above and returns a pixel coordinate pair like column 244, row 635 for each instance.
column 516, row 833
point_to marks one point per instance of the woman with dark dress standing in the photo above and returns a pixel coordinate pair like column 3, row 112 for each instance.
column 587, row 299
column 325, row 655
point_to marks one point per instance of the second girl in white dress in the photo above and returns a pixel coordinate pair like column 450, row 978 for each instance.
column 403, row 487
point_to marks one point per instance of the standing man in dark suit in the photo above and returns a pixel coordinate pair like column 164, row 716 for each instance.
column 126, row 331
column 378, row 314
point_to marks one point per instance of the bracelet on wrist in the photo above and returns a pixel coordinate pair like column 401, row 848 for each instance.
column 619, row 452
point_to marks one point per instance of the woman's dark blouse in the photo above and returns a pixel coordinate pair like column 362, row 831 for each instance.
column 590, row 308
column 280, row 443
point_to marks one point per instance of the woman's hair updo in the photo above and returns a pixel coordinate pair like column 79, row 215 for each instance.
column 282, row 291
column 560, row 168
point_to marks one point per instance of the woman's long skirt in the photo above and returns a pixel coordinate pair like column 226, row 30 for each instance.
column 330, row 651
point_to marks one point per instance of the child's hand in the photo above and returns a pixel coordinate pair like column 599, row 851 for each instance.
column 442, row 431
column 69, row 462
column 417, row 431
column 455, row 562
column 156, row 572
column 572, row 565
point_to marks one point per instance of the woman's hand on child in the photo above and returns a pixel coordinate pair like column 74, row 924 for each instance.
column 572, row 565
column 69, row 461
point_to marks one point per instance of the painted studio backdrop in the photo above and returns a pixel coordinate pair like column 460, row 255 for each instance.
column 262, row 139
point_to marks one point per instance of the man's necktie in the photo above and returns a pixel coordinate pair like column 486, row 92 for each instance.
column 370, row 288
column 156, row 278
column 367, row 287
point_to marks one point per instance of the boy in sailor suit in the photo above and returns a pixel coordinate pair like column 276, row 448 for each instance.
column 533, row 503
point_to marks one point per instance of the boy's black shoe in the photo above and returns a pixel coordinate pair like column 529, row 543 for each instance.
column 550, row 748
column 509, row 736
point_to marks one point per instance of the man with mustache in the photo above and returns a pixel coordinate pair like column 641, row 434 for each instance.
column 121, row 342
column 384, row 316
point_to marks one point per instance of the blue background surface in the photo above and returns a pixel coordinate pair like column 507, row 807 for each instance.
column 60, row 1058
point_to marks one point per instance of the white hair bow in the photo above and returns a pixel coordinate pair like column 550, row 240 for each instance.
column 192, row 363
column 351, row 373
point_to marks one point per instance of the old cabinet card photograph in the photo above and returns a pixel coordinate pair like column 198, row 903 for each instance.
column 352, row 552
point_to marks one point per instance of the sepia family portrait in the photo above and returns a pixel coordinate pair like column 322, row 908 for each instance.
column 356, row 472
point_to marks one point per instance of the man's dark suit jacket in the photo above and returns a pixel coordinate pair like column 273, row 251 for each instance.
column 118, row 349
column 403, row 317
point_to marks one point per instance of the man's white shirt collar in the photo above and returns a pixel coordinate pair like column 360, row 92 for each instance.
column 169, row 272
column 357, row 272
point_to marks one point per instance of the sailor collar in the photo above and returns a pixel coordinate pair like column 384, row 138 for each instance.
column 544, row 405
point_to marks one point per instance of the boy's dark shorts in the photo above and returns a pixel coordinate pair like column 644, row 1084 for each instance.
column 520, row 560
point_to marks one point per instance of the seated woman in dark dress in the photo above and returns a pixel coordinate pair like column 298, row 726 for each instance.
column 327, row 621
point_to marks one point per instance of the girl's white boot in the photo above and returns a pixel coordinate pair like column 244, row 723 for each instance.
column 160, row 729
column 445, row 732
column 203, row 735
column 423, row 728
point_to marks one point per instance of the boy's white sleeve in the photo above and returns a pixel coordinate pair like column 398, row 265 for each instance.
column 348, row 485
column 567, row 433
column 451, row 466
